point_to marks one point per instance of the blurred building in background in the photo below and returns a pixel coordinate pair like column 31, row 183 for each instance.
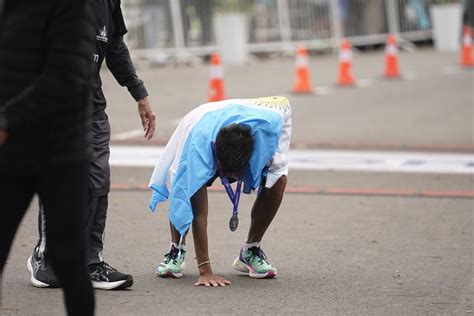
column 190, row 28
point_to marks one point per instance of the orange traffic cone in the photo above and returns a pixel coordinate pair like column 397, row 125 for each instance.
column 302, row 81
column 391, row 58
column 467, row 51
column 216, row 79
column 345, row 77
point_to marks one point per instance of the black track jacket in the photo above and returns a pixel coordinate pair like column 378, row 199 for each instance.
column 45, row 80
column 110, row 29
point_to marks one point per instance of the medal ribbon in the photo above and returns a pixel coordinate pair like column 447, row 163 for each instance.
column 233, row 196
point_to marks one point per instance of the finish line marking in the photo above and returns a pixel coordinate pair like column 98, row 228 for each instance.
column 333, row 191
column 334, row 160
column 128, row 134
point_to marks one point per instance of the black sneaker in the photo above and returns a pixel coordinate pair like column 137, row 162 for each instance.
column 105, row 277
column 42, row 274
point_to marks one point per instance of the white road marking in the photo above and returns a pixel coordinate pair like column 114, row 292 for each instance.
column 370, row 161
column 128, row 134
column 452, row 70
column 323, row 90
column 409, row 75
column 364, row 83
column 175, row 122
column 134, row 133
column 382, row 161
column 135, row 156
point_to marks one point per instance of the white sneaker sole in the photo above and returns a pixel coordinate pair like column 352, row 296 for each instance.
column 242, row 267
column 169, row 274
column 33, row 280
column 107, row 285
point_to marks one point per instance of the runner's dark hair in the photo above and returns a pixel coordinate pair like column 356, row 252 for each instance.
column 234, row 146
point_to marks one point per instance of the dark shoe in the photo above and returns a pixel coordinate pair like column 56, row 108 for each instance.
column 105, row 277
column 42, row 274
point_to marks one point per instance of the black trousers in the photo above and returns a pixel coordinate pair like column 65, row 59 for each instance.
column 95, row 227
column 62, row 188
column 97, row 196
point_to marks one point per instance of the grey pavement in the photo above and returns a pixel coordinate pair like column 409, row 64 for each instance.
column 335, row 254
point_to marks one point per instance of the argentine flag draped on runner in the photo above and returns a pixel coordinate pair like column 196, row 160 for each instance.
column 188, row 162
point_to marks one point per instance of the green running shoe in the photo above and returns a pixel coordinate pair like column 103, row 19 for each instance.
column 173, row 264
column 254, row 262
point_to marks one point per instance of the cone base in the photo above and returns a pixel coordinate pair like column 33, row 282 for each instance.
column 216, row 90
column 346, row 84
column 393, row 76
column 302, row 90
column 345, row 80
column 215, row 99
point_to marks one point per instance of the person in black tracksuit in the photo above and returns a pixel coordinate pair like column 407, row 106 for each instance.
column 110, row 29
column 45, row 76
column 468, row 15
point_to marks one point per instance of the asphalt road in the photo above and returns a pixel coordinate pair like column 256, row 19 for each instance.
column 336, row 254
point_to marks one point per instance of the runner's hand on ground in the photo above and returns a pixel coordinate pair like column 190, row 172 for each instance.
column 210, row 279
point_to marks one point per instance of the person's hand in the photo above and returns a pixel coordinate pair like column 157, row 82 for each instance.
column 3, row 136
column 210, row 279
column 147, row 116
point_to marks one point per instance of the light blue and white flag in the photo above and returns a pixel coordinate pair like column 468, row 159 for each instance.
column 188, row 162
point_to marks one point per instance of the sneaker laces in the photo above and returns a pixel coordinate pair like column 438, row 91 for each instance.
column 172, row 255
column 258, row 253
column 39, row 264
column 43, row 264
column 39, row 261
column 104, row 268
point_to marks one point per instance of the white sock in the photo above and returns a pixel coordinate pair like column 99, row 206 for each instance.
column 183, row 246
column 247, row 246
